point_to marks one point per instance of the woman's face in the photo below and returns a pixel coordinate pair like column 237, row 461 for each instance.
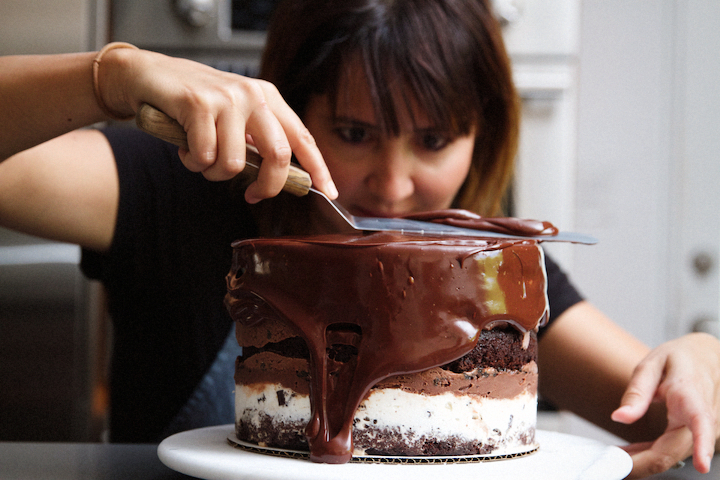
column 378, row 175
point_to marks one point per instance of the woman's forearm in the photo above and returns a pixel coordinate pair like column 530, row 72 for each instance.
column 44, row 96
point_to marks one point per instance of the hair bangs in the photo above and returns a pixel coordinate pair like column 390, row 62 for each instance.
column 411, row 63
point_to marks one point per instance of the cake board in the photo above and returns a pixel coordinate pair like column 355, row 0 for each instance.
column 206, row 453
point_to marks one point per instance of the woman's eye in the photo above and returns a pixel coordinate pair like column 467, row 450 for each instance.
column 353, row 134
column 434, row 141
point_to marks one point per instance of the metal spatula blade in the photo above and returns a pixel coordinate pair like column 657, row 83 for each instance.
column 158, row 124
column 406, row 225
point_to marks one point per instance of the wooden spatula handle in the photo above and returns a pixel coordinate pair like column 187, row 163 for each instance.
column 156, row 123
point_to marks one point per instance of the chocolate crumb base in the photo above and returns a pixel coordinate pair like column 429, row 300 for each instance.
column 281, row 436
column 304, row 455
column 273, row 434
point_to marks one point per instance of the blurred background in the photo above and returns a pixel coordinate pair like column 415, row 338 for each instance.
column 620, row 139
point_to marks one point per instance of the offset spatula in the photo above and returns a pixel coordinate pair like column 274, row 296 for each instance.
column 160, row 125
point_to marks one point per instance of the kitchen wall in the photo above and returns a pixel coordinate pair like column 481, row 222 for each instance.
column 647, row 163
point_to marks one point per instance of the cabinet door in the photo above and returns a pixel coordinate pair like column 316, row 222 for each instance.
column 696, row 131
column 648, row 175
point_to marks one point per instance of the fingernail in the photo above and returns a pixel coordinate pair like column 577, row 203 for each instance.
column 617, row 415
column 238, row 165
column 332, row 189
column 250, row 198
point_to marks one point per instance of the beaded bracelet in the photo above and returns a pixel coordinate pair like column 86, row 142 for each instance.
column 96, row 83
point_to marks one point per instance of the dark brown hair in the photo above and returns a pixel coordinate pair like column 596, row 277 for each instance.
column 449, row 54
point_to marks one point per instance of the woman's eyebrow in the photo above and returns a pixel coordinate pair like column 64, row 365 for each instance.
column 429, row 129
column 418, row 130
column 354, row 121
column 434, row 129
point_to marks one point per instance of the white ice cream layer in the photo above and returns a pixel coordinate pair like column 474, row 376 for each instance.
column 491, row 421
column 250, row 403
column 503, row 423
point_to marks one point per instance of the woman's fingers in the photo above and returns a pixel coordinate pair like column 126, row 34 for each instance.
column 272, row 143
column 703, row 446
column 690, row 406
column 641, row 391
column 232, row 109
column 662, row 454
column 683, row 375
column 305, row 148
column 230, row 148
column 202, row 143
column 301, row 142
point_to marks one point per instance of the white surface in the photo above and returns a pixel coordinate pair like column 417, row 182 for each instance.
column 623, row 173
column 647, row 173
column 205, row 453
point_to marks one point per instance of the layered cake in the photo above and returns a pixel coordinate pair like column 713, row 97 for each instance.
column 387, row 344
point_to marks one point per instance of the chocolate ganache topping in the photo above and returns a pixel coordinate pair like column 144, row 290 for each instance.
column 405, row 303
column 467, row 219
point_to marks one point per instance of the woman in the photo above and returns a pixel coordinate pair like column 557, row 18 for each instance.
column 412, row 106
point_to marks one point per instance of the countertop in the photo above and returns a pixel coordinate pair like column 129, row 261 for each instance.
column 81, row 461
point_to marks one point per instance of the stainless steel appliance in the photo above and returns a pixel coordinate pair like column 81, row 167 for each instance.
column 227, row 34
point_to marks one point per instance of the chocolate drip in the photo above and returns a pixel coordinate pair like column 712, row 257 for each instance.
column 467, row 219
column 406, row 304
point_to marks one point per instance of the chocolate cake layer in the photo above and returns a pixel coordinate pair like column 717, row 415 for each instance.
column 287, row 363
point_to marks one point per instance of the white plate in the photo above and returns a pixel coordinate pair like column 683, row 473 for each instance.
column 206, row 453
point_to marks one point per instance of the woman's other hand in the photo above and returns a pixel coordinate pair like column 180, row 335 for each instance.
column 220, row 112
column 684, row 374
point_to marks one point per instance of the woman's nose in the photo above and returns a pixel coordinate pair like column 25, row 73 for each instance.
column 391, row 176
